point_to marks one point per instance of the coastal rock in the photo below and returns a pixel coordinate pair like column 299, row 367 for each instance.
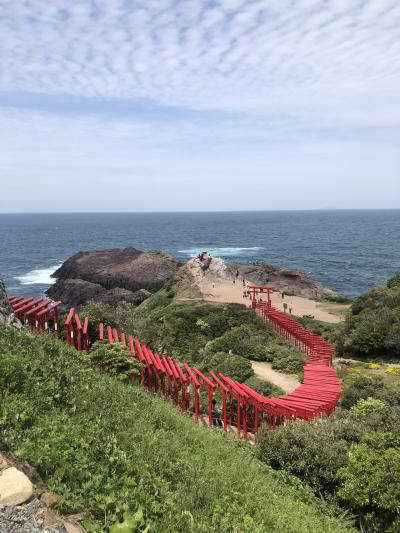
column 6, row 313
column 15, row 487
column 112, row 276
column 289, row 281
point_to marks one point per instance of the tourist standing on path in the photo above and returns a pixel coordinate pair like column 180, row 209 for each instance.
column 290, row 309
column 216, row 414
column 285, row 306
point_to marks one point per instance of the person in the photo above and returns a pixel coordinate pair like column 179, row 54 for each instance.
column 234, row 281
column 237, row 273
column 283, row 294
column 290, row 309
column 213, row 285
column 216, row 414
column 285, row 306
column 244, row 282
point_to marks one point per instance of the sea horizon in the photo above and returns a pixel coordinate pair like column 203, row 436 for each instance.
column 349, row 251
column 202, row 211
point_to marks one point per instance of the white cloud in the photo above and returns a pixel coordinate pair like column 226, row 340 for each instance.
column 232, row 55
column 239, row 88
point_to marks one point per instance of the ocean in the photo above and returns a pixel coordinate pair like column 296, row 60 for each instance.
column 348, row 251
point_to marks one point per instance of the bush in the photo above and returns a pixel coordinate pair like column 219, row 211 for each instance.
column 371, row 485
column 231, row 365
column 370, row 407
column 360, row 387
column 314, row 451
column 115, row 359
column 244, row 340
column 289, row 362
column 372, row 329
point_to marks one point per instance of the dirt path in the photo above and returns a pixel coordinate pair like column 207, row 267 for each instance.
column 225, row 290
column 287, row 382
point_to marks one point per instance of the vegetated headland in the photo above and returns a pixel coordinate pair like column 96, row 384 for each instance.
column 123, row 458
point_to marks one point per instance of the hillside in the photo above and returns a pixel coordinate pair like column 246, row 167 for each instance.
column 372, row 328
column 107, row 447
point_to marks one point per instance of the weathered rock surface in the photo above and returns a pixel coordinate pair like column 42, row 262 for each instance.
column 6, row 313
column 289, row 281
column 111, row 276
column 15, row 487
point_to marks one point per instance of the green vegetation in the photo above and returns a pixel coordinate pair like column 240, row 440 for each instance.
column 222, row 337
column 372, row 328
column 115, row 359
column 350, row 457
column 130, row 460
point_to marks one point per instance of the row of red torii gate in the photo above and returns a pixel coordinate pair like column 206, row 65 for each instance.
column 242, row 408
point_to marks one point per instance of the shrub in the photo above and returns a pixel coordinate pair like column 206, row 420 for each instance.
column 231, row 365
column 373, row 326
column 314, row 451
column 370, row 407
column 361, row 387
column 289, row 362
column 244, row 340
column 371, row 485
column 115, row 359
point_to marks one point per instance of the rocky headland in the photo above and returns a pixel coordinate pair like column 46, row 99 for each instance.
column 289, row 281
column 131, row 275
column 112, row 276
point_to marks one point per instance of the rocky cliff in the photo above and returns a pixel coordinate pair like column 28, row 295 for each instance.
column 110, row 276
column 6, row 313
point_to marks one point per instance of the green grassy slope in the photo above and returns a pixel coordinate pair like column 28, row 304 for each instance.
column 108, row 447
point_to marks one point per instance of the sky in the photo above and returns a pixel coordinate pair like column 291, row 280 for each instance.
column 181, row 105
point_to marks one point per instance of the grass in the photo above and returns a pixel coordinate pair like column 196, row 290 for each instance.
column 336, row 309
column 110, row 448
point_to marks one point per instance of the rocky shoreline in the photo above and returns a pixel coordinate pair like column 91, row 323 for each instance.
column 112, row 276
column 131, row 275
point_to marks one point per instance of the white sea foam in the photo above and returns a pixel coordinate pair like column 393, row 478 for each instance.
column 40, row 276
column 221, row 252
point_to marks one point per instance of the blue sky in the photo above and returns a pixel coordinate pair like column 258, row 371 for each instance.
column 162, row 105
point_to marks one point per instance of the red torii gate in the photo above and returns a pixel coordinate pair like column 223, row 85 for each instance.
column 260, row 289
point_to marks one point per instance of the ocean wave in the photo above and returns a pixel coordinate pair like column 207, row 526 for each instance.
column 39, row 276
column 221, row 252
